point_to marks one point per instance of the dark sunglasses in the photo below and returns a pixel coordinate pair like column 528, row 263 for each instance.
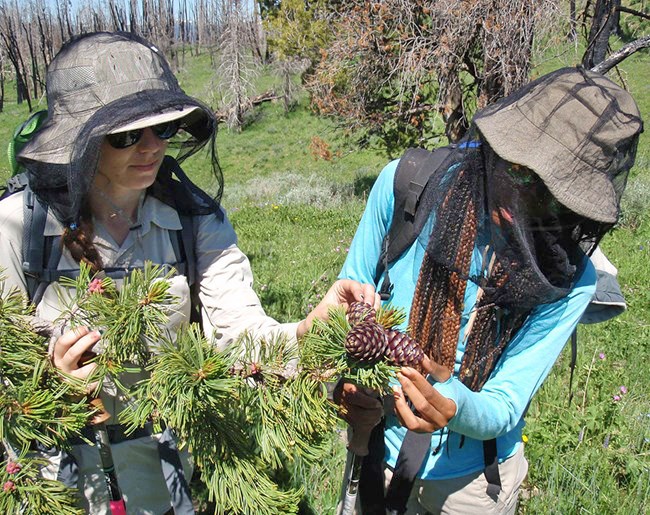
column 128, row 138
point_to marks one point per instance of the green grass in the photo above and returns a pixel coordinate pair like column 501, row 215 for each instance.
column 295, row 213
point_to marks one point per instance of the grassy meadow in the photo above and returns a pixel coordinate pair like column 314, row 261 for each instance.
column 294, row 189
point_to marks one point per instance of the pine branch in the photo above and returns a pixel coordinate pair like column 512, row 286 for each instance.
column 25, row 491
column 238, row 486
column 241, row 412
column 130, row 318
column 189, row 378
column 324, row 355
column 37, row 404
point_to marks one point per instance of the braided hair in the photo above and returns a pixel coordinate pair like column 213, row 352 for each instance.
column 534, row 257
column 78, row 239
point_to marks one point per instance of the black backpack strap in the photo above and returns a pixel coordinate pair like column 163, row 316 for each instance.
column 36, row 248
column 413, row 172
column 52, row 251
column 187, row 238
column 491, row 468
column 412, row 454
column 573, row 362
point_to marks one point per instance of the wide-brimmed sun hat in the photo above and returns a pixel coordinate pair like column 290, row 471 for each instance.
column 108, row 83
column 104, row 83
column 577, row 130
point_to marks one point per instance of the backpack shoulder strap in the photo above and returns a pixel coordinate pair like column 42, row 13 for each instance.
column 413, row 172
column 184, row 247
column 39, row 251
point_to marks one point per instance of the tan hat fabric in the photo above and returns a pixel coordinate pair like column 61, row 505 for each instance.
column 573, row 128
column 95, row 73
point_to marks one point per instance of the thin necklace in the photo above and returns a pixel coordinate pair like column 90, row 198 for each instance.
column 118, row 211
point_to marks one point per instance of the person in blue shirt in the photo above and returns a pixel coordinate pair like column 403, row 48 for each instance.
column 494, row 285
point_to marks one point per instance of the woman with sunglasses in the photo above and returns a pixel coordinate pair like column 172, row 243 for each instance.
column 100, row 166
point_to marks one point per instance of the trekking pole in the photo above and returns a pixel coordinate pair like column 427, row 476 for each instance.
column 357, row 450
column 349, row 496
column 116, row 501
column 351, row 481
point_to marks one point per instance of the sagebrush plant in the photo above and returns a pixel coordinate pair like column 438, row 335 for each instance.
column 289, row 189
column 636, row 202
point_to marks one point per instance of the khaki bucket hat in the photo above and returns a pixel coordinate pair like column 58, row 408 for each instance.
column 101, row 72
column 577, row 130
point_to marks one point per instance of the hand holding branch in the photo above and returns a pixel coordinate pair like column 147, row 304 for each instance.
column 342, row 293
column 72, row 349
column 362, row 409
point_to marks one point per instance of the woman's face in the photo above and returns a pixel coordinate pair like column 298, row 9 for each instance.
column 132, row 168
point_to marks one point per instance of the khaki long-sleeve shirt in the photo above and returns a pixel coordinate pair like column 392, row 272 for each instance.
column 229, row 307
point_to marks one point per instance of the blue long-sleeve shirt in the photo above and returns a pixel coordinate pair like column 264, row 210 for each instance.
column 497, row 410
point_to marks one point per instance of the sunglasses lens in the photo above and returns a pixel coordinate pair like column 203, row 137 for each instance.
column 124, row 139
column 166, row 130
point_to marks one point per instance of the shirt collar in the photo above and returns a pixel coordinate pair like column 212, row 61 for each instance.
column 152, row 211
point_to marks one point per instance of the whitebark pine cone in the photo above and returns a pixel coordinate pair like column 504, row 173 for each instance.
column 366, row 341
column 359, row 311
column 402, row 350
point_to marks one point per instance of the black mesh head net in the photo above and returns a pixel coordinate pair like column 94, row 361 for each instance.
column 97, row 84
column 533, row 241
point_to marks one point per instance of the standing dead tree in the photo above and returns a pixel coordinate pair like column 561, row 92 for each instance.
column 2, row 80
column 605, row 22
column 10, row 36
column 64, row 18
column 236, row 67
column 206, row 22
column 397, row 69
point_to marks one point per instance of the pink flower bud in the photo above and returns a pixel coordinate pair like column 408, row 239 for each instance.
column 13, row 467
column 9, row 486
column 601, row 355
column 616, row 398
column 96, row 286
column 623, row 389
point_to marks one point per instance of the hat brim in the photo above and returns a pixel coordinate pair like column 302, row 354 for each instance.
column 54, row 142
column 156, row 119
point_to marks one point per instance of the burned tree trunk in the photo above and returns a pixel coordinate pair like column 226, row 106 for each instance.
column 2, row 82
column 37, row 83
column 573, row 32
column 603, row 24
column 10, row 41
